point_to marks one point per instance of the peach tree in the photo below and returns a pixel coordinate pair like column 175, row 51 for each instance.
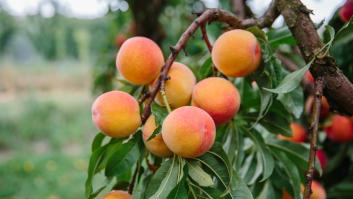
column 232, row 125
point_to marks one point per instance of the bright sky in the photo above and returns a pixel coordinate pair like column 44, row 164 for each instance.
column 323, row 9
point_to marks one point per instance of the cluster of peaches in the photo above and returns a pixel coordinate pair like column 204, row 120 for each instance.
column 189, row 129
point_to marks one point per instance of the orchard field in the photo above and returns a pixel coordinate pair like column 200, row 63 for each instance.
column 121, row 99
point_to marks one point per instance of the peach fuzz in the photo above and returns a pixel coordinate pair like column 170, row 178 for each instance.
column 189, row 131
column 117, row 194
column 218, row 97
column 116, row 114
column 236, row 53
column 298, row 133
column 156, row 145
column 340, row 129
column 139, row 60
column 179, row 87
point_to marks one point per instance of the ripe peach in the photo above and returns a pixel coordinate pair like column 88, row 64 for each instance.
column 218, row 97
column 318, row 192
column 236, row 53
column 309, row 77
column 298, row 133
column 139, row 60
column 325, row 107
column 117, row 194
column 156, row 145
column 322, row 157
column 189, row 131
column 340, row 130
column 116, row 114
column 346, row 11
column 179, row 87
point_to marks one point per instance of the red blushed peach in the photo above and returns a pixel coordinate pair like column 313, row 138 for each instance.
column 139, row 60
column 340, row 130
column 236, row 53
column 346, row 11
column 325, row 107
column 116, row 114
column 318, row 192
column 189, row 131
column 179, row 87
column 117, row 195
column 218, row 97
column 322, row 157
column 298, row 133
column 156, row 145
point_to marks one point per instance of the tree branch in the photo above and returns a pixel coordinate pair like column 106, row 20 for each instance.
column 337, row 88
column 267, row 19
column 239, row 8
column 313, row 136
column 204, row 18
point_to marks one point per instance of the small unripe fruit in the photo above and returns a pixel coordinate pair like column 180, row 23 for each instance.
column 117, row 194
column 298, row 133
column 346, row 11
column 189, row 131
column 324, row 110
column 218, row 97
column 156, row 145
column 178, row 88
column 116, row 114
column 236, row 53
column 139, row 60
column 340, row 130
column 322, row 157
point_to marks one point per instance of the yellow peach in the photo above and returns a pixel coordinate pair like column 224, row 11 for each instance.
column 116, row 114
column 156, row 145
column 179, row 87
column 117, row 194
column 236, row 53
column 188, row 131
column 139, row 60
column 218, row 97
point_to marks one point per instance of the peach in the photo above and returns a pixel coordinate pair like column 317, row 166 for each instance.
column 218, row 97
column 322, row 157
column 340, row 129
column 309, row 77
column 236, row 53
column 298, row 133
column 346, row 11
column 318, row 192
column 325, row 107
column 139, row 60
column 156, row 145
column 189, row 131
column 116, row 114
column 117, row 194
column 179, row 87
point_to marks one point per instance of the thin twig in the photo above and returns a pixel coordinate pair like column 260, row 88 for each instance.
column 205, row 37
column 313, row 136
column 267, row 19
column 133, row 180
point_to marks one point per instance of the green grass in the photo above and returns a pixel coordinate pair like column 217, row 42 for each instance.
column 45, row 132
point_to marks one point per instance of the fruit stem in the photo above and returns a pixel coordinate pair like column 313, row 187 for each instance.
column 164, row 96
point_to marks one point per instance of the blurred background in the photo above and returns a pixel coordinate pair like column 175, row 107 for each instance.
column 55, row 56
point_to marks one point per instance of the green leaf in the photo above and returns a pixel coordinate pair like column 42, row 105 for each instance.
column 345, row 34
column 155, row 132
column 298, row 153
column 97, row 141
column 205, row 70
column 267, row 159
column 291, row 81
column 159, row 113
column 180, row 191
column 199, row 175
column 341, row 190
column 293, row 102
column 291, row 171
column 280, row 36
column 268, row 191
column 259, row 33
column 217, row 163
column 123, row 157
column 239, row 190
column 165, row 179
